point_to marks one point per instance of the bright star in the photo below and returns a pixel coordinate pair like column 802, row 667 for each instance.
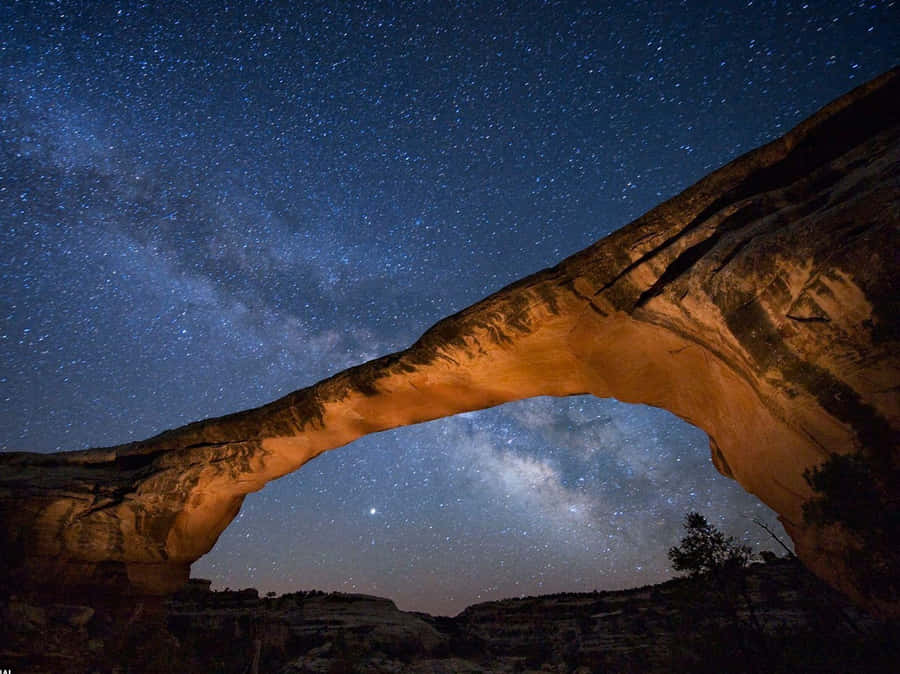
column 372, row 511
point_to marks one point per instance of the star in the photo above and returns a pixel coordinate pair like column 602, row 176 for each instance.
column 206, row 209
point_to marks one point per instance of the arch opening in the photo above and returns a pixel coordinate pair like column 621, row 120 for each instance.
column 535, row 496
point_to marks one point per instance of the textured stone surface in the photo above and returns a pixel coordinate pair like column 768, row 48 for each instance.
column 760, row 305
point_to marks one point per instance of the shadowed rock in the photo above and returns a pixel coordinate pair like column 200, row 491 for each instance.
column 770, row 617
column 760, row 305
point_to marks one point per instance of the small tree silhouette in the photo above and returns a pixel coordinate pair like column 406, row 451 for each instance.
column 705, row 549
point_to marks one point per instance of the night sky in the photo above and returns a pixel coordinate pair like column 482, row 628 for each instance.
column 206, row 205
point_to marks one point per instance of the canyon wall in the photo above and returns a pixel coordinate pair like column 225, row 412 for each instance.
column 760, row 305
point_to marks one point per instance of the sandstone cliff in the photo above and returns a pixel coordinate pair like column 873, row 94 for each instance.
column 760, row 305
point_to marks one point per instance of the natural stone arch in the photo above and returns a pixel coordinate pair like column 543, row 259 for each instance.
column 759, row 305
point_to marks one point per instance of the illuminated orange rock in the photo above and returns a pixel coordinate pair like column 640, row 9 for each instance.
column 760, row 305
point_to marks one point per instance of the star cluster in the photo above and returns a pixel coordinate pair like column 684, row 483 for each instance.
column 206, row 205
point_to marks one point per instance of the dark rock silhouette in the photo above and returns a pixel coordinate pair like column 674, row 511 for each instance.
column 782, row 620
column 760, row 305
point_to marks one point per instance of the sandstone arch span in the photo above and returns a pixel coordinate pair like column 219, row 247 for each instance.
column 759, row 305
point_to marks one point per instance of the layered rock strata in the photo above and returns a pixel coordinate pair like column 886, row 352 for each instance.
column 760, row 305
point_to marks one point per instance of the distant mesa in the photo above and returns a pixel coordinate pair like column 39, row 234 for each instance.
column 760, row 305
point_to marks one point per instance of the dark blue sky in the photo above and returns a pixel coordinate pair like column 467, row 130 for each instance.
column 204, row 206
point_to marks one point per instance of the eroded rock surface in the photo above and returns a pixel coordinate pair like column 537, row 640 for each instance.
column 760, row 305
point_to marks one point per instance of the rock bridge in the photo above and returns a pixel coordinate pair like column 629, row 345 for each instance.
column 760, row 305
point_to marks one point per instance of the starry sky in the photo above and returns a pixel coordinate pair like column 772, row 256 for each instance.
column 207, row 205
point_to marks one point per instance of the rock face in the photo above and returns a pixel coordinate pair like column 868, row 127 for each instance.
column 760, row 305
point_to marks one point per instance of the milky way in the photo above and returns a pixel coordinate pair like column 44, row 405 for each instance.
column 205, row 207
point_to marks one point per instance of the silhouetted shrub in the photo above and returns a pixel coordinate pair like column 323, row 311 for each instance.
column 859, row 492
column 705, row 549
